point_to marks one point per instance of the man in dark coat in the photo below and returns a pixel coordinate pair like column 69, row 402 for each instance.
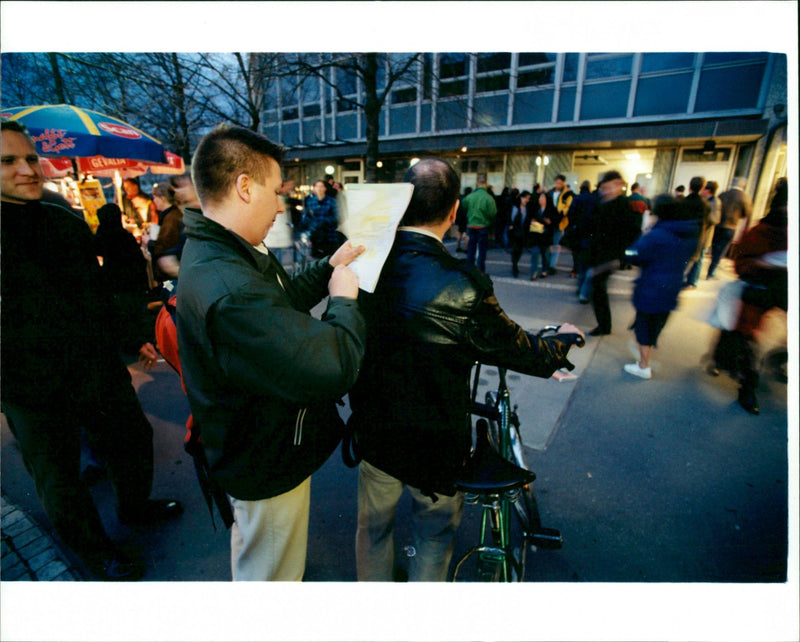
column 62, row 372
column 430, row 318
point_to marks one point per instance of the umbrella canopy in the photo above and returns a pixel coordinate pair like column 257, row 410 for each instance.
column 102, row 166
column 66, row 130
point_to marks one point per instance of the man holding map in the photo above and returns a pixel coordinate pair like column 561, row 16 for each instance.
column 430, row 318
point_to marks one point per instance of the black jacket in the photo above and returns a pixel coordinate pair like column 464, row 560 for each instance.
column 59, row 339
column 430, row 318
column 261, row 373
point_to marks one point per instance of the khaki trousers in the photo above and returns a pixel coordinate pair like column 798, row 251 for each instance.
column 269, row 537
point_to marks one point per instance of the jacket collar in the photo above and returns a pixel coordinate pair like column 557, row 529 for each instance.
column 204, row 229
column 410, row 241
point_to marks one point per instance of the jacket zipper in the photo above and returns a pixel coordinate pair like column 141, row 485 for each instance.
column 298, row 426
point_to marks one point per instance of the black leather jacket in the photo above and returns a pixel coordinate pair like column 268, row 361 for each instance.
column 431, row 317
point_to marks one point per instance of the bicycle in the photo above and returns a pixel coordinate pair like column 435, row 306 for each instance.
column 497, row 477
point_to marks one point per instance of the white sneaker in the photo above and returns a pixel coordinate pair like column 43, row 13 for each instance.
column 636, row 371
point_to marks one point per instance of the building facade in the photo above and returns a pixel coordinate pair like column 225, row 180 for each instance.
column 522, row 118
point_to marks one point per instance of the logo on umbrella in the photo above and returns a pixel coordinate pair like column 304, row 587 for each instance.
column 53, row 141
column 119, row 130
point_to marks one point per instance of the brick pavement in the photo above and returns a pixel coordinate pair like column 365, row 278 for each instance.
column 28, row 552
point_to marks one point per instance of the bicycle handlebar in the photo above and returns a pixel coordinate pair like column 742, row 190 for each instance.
column 575, row 339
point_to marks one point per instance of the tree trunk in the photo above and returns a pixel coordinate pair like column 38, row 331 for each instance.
column 179, row 98
column 372, row 114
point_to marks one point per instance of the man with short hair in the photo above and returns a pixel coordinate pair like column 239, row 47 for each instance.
column 735, row 206
column 430, row 318
column 711, row 218
column 561, row 195
column 263, row 376
column 481, row 211
column 62, row 371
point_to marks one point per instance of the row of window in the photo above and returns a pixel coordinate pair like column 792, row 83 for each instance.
column 524, row 88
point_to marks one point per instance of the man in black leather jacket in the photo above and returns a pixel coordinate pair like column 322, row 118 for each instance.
column 431, row 317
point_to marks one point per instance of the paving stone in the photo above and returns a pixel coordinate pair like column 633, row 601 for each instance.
column 27, row 551
column 18, row 527
column 18, row 572
column 41, row 559
column 21, row 540
column 51, row 570
column 12, row 518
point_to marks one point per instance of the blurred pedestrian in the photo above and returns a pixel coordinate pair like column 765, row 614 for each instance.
column 481, row 212
column 543, row 218
column 504, row 204
column 321, row 220
column 662, row 255
column 62, row 371
column 761, row 262
column 610, row 229
column 579, row 212
column 735, row 206
column 516, row 230
column 562, row 196
column 461, row 222
column 680, row 192
column 138, row 208
column 710, row 220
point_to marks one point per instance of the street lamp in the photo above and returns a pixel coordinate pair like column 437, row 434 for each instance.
column 330, row 169
column 414, row 161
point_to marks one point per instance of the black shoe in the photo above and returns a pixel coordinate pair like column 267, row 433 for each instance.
column 552, row 271
column 115, row 566
column 583, row 301
column 152, row 511
column 599, row 332
column 748, row 401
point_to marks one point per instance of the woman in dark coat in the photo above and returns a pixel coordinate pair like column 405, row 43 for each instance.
column 542, row 220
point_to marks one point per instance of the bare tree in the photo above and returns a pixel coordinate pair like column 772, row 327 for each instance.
column 378, row 73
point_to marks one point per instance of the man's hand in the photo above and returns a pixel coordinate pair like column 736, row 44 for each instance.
column 568, row 328
column 346, row 254
column 148, row 355
column 344, row 282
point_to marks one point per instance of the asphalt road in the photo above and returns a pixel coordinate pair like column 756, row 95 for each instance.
column 674, row 503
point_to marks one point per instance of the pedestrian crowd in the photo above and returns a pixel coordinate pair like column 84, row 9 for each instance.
column 264, row 377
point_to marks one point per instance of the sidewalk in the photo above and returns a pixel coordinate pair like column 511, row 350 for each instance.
column 28, row 553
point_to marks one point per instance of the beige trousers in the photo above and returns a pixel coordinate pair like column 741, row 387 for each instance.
column 269, row 537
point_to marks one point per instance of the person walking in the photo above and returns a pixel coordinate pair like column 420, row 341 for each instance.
column 662, row 255
column 481, row 211
column 610, row 229
column 543, row 220
column 561, row 195
column 516, row 230
column 710, row 220
column 321, row 220
column 735, row 206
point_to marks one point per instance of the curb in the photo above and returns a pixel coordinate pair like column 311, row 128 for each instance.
column 28, row 552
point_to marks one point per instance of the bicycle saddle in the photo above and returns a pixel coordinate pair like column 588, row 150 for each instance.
column 486, row 471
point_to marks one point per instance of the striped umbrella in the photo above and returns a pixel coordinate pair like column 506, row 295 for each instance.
column 69, row 131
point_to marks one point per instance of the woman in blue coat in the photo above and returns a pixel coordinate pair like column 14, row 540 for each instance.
column 662, row 256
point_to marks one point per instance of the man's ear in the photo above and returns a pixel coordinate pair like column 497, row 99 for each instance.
column 244, row 186
column 453, row 211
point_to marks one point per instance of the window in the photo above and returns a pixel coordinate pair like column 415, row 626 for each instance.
column 453, row 88
column 608, row 66
column 542, row 76
column 453, row 65
column 528, row 59
column 404, row 95
column 727, row 57
column 664, row 94
column 493, row 61
column 491, row 83
column 311, row 110
column 700, row 155
column 570, row 67
column 666, row 61
column 346, row 81
column 729, row 88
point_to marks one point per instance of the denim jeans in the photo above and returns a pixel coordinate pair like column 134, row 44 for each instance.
column 555, row 250
column 694, row 269
column 478, row 242
column 539, row 254
column 719, row 246
column 434, row 526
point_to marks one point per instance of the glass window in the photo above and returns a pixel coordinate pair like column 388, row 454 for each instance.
column 729, row 88
column 664, row 61
column 311, row 110
column 290, row 113
column 345, row 104
column 732, row 56
column 566, row 104
column 493, row 61
column 663, row 95
column 451, row 115
column 453, row 88
column 346, row 127
column 536, row 77
column 404, row 95
column 570, row 67
column 290, row 134
column 527, row 59
column 605, row 100
column 404, row 120
column 498, row 82
column 312, row 132
column 452, row 65
column 533, row 107
column 490, row 111
column 699, row 155
column 608, row 67
column 310, row 89
column 346, row 81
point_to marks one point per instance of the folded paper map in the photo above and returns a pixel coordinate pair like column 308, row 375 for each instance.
column 369, row 214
